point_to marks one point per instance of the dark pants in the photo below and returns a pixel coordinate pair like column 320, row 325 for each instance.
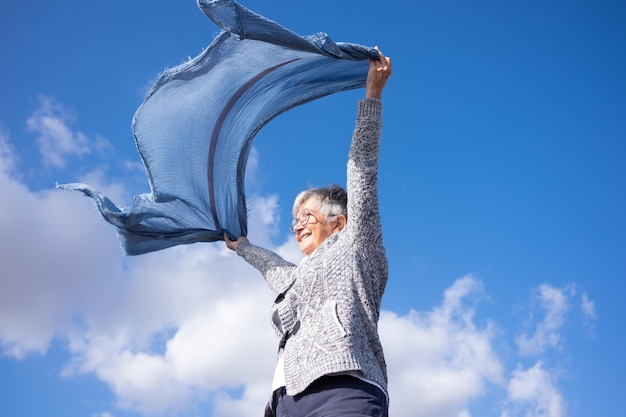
column 330, row 396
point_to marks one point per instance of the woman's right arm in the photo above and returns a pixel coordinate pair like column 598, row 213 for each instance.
column 277, row 272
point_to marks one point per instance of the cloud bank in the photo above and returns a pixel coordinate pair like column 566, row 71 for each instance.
column 186, row 329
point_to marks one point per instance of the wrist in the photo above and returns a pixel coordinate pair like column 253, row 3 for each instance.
column 373, row 93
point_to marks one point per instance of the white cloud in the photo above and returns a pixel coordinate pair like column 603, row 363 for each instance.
column 533, row 393
column 55, row 259
column 7, row 162
column 589, row 307
column 50, row 122
column 440, row 361
column 555, row 303
column 187, row 325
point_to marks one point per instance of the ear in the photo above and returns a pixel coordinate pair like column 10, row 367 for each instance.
column 341, row 222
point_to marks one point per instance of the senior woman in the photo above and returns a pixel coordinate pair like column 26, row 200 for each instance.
column 330, row 359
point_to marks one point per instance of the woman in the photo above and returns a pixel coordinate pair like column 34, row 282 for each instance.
column 330, row 360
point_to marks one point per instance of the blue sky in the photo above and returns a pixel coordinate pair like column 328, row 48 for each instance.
column 502, row 186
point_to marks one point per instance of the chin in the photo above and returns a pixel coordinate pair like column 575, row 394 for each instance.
column 306, row 250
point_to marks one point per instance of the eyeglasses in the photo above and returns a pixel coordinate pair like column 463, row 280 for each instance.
column 304, row 217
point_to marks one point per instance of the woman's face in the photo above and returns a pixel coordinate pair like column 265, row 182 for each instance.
column 316, row 228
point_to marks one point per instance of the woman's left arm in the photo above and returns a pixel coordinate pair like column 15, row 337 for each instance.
column 363, row 210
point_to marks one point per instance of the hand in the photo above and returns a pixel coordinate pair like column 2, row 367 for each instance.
column 232, row 244
column 379, row 72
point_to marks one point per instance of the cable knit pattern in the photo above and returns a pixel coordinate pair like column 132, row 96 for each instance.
column 332, row 298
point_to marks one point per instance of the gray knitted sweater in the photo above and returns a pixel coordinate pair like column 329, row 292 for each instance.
column 331, row 300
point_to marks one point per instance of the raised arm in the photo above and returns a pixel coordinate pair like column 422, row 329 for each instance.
column 363, row 210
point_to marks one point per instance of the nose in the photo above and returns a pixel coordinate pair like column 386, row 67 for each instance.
column 298, row 227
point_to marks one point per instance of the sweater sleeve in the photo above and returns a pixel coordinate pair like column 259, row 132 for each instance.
column 277, row 272
column 362, row 174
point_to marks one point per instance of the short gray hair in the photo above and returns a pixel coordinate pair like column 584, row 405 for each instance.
column 331, row 201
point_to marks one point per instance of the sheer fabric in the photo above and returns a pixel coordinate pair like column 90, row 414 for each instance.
column 195, row 128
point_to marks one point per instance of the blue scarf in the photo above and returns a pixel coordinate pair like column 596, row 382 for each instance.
column 195, row 128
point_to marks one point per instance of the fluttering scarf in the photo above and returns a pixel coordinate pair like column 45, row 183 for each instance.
column 195, row 128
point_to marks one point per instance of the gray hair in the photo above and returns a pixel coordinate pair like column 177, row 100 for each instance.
column 331, row 201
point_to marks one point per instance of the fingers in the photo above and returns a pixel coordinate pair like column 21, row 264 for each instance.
column 380, row 70
column 230, row 244
column 383, row 64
